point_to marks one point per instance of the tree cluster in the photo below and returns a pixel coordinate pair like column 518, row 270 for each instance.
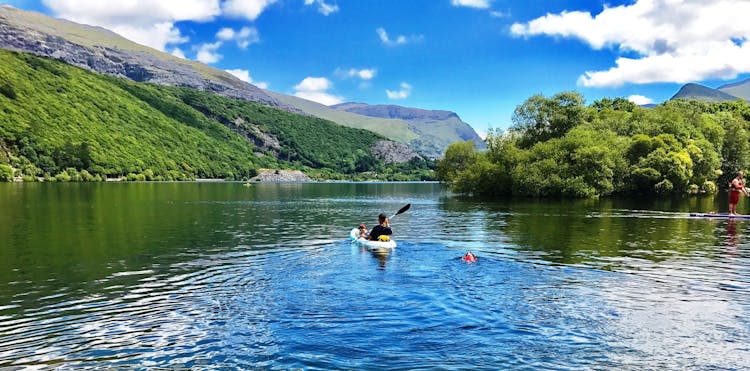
column 559, row 147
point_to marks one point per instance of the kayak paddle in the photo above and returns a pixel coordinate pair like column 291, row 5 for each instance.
column 401, row 210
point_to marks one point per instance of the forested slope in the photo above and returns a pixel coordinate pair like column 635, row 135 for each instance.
column 59, row 119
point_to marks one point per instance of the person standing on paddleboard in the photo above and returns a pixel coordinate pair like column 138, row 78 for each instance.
column 736, row 187
column 382, row 229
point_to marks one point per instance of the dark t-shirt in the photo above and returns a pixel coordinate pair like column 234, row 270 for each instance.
column 379, row 230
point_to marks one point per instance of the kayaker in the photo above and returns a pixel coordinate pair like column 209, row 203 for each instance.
column 362, row 231
column 736, row 187
column 382, row 229
column 469, row 257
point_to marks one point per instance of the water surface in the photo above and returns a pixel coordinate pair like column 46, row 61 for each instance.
column 219, row 274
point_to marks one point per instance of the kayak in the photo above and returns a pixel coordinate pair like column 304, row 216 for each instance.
column 719, row 215
column 373, row 246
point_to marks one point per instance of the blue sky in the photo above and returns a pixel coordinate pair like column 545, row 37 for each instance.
column 478, row 58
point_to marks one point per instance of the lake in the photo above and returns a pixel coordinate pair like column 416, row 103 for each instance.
column 197, row 275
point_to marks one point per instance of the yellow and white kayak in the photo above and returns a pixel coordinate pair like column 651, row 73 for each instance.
column 373, row 246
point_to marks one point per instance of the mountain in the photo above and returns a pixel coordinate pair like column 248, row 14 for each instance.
column 103, row 51
column 60, row 120
column 738, row 89
column 393, row 129
column 702, row 93
column 436, row 128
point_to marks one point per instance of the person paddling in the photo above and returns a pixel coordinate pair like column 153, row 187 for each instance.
column 382, row 231
column 736, row 187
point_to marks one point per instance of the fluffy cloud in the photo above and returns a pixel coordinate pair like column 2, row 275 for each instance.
column 249, row 9
column 665, row 40
column 316, row 90
column 398, row 40
column 323, row 7
column 400, row 94
column 479, row 4
column 244, row 75
column 207, row 53
column 146, row 22
column 640, row 99
column 244, row 37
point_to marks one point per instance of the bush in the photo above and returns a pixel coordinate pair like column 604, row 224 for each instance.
column 62, row 177
column 664, row 187
column 709, row 187
column 6, row 173
column 7, row 90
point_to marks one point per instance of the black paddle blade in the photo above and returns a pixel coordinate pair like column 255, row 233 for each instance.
column 403, row 209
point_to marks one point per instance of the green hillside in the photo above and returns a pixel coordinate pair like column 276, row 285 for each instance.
column 54, row 116
column 394, row 129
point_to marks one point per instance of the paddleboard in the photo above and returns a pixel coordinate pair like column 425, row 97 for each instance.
column 719, row 215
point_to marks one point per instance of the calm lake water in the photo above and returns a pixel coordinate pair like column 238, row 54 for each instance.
column 192, row 275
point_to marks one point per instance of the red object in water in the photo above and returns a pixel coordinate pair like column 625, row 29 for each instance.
column 469, row 257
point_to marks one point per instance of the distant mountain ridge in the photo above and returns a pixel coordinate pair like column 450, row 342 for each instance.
column 438, row 126
column 726, row 92
column 739, row 89
column 394, row 112
column 702, row 93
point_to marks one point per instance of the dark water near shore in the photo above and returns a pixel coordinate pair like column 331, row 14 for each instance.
column 222, row 275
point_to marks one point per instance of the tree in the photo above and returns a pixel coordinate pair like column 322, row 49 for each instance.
column 539, row 118
column 617, row 104
column 458, row 157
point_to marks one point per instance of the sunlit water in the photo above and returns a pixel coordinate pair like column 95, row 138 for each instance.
column 193, row 275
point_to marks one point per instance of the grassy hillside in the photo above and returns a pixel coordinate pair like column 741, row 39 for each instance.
column 54, row 116
column 394, row 129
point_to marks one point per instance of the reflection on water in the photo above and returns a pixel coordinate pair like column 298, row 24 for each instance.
column 198, row 274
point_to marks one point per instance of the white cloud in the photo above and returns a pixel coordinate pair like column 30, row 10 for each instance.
column 249, row 9
column 315, row 89
column 399, row 40
column 177, row 52
column 666, row 40
column 146, row 22
column 479, row 4
column 244, row 37
column 244, row 75
column 323, row 7
column 499, row 14
column 400, row 94
column 207, row 53
column 364, row 73
column 640, row 99
column 225, row 34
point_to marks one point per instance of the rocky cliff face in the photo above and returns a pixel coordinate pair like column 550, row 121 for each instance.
column 393, row 152
column 48, row 37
